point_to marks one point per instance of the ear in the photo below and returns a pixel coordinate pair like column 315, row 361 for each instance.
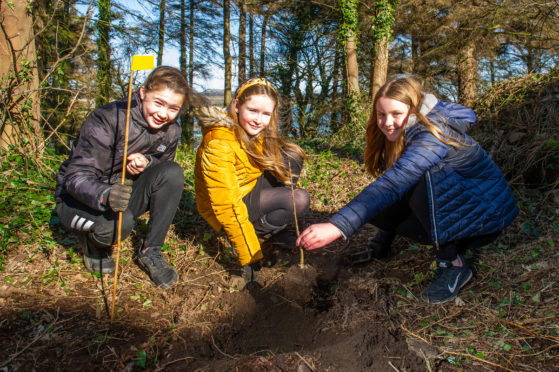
column 142, row 92
column 236, row 104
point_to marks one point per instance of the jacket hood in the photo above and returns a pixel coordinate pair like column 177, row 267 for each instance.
column 212, row 116
column 429, row 101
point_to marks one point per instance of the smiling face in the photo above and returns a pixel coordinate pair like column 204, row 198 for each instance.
column 392, row 116
column 160, row 106
column 255, row 113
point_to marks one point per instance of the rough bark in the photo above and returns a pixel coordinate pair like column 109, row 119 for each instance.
column 242, row 70
column 263, row 43
column 467, row 74
column 226, row 51
column 104, row 78
column 18, row 56
column 161, row 33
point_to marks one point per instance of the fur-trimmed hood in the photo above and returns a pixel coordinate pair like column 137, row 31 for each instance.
column 213, row 116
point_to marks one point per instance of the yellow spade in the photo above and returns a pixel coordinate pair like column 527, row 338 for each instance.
column 139, row 62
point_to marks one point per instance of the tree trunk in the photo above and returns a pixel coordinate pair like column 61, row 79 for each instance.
column 182, row 38
column 467, row 75
column 348, row 34
column 191, row 45
column 242, row 76
column 352, row 68
column 263, row 43
column 252, row 61
column 335, row 114
column 226, row 51
column 380, row 70
column 19, row 124
column 382, row 27
column 161, row 33
column 104, row 78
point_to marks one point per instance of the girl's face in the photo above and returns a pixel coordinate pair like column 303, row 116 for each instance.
column 255, row 113
column 161, row 106
column 392, row 116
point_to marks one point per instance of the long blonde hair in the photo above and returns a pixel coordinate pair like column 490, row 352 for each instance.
column 380, row 153
column 270, row 156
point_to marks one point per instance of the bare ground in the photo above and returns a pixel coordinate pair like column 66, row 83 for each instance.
column 326, row 316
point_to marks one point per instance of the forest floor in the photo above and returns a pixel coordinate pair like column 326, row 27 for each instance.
column 327, row 316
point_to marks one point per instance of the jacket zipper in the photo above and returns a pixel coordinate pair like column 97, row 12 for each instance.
column 432, row 205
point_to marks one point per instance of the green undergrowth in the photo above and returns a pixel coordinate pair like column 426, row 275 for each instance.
column 26, row 202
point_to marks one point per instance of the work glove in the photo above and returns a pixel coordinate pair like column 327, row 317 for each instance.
column 119, row 196
column 251, row 272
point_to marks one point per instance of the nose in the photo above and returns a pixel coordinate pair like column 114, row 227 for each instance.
column 163, row 112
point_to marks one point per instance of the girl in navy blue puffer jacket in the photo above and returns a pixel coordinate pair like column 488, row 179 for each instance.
column 434, row 184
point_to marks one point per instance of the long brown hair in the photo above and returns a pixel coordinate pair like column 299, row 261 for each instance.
column 270, row 156
column 380, row 153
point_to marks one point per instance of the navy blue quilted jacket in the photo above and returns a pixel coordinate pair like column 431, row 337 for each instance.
column 467, row 193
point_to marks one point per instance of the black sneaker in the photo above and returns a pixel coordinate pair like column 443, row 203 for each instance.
column 159, row 271
column 447, row 281
column 95, row 258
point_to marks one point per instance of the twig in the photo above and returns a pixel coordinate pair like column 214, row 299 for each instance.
column 162, row 368
column 221, row 352
column 478, row 359
column 304, row 361
column 301, row 251
column 392, row 365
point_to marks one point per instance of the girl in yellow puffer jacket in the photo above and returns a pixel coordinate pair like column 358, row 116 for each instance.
column 244, row 171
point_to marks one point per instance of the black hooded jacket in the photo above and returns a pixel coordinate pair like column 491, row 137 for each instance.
column 95, row 161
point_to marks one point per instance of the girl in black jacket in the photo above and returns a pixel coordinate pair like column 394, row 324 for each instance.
column 89, row 194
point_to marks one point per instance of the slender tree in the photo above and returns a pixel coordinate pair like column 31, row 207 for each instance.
column 226, row 51
column 242, row 72
column 104, row 68
column 182, row 37
column 263, row 40
column 161, row 32
column 252, row 60
column 347, row 34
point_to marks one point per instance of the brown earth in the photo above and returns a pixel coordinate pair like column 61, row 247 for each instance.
column 326, row 316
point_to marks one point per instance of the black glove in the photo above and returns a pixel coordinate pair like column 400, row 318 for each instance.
column 251, row 272
column 119, row 196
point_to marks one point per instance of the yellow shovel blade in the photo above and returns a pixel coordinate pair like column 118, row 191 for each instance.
column 142, row 62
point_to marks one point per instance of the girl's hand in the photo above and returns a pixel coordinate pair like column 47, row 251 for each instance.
column 136, row 163
column 318, row 235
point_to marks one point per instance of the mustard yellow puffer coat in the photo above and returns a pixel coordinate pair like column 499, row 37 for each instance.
column 223, row 176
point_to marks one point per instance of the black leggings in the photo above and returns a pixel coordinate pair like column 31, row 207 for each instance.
column 270, row 202
column 157, row 189
column 409, row 217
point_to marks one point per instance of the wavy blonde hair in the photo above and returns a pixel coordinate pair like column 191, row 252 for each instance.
column 380, row 153
column 270, row 156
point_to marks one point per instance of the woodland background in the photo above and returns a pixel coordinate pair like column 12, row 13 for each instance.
column 60, row 59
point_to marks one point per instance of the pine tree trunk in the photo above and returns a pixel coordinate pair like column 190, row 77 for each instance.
column 263, row 43
column 104, row 78
column 467, row 75
column 252, row 61
column 182, row 38
column 161, row 33
column 226, row 51
column 242, row 42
